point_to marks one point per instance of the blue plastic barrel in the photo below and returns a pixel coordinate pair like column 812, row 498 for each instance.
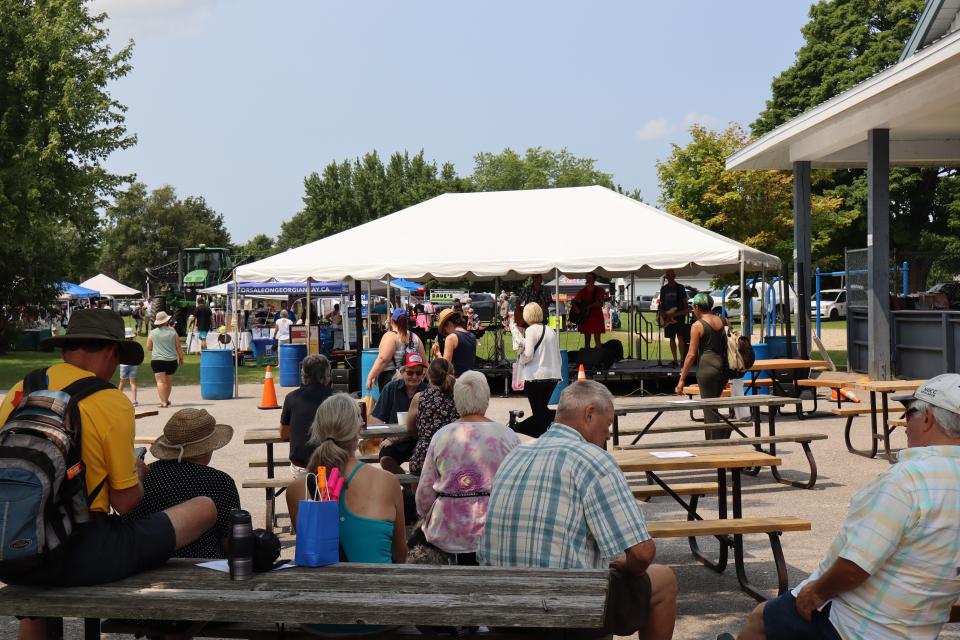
column 367, row 358
column 564, row 377
column 777, row 347
column 291, row 355
column 761, row 351
column 216, row 374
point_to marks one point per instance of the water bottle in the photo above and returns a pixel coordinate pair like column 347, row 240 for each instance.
column 240, row 556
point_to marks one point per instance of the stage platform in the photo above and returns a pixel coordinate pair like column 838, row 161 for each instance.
column 627, row 370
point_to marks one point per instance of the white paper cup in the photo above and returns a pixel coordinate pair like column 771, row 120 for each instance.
column 402, row 417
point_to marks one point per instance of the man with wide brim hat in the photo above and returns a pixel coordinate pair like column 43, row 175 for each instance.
column 105, row 548
column 91, row 326
column 183, row 471
column 893, row 570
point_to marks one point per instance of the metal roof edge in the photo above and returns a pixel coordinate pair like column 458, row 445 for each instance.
column 920, row 32
column 787, row 128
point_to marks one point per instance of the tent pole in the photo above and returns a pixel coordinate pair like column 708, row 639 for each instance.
column 633, row 296
column 345, row 320
column 556, row 304
column 744, row 321
column 358, row 325
column 763, row 301
column 307, row 321
column 236, row 334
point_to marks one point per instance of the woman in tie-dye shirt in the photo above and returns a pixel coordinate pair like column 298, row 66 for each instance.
column 458, row 471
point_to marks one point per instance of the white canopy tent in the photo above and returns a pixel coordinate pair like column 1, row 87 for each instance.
column 512, row 234
column 109, row 287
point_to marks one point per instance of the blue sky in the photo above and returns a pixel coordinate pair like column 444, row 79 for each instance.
column 237, row 101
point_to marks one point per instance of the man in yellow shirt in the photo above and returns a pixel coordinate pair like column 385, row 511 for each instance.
column 107, row 548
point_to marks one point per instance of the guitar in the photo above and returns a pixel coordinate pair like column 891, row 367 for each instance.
column 669, row 316
column 580, row 311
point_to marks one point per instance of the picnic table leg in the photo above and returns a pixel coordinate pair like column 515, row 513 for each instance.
column 91, row 628
column 655, row 417
column 886, row 427
column 616, row 429
column 690, row 508
column 811, row 480
column 271, row 496
column 847, row 439
column 875, row 433
column 721, row 564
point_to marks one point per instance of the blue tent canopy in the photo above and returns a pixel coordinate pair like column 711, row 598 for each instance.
column 406, row 284
column 318, row 289
column 70, row 290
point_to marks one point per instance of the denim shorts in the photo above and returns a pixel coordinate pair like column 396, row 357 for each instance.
column 128, row 371
column 782, row 621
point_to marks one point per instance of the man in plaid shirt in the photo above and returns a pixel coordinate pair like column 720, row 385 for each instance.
column 893, row 571
column 562, row 501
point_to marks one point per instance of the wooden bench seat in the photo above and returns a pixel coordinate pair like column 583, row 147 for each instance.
column 738, row 526
column 694, row 389
column 861, row 411
column 897, row 422
column 681, row 489
column 345, row 593
column 680, row 428
column 730, row 532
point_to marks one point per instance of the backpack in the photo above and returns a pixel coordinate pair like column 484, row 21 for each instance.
column 43, row 495
column 740, row 356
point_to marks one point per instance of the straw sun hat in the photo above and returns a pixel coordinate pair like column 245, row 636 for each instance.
column 162, row 318
column 190, row 433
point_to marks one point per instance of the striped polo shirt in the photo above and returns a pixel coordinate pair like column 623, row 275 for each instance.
column 904, row 530
column 560, row 502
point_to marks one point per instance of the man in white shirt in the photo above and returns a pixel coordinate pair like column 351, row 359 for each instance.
column 893, row 571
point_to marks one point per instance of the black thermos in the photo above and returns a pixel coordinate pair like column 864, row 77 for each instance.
column 240, row 556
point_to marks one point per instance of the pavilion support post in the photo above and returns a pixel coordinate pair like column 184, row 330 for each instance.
column 307, row 320
column 802, row 256
column 878, row 254
column 358, row 321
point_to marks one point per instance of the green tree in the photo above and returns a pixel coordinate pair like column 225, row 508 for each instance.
column 258, row 247
column 146, row 230
column 539, row 168
column 348, row 194
column 845, row 42
column 57, row 125
column 754, row 207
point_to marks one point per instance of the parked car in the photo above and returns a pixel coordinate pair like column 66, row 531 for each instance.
column 733, row 301
column 833, row 304
column 123, row 308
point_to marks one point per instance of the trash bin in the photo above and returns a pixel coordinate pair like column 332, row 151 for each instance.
column 564, row 377
column 761, row 351
column 216, row 374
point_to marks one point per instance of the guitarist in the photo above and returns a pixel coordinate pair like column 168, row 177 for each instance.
column 672, row 315
column 590, row 301
column 534, row 292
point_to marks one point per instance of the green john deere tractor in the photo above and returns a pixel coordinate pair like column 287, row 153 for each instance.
column 177, row 282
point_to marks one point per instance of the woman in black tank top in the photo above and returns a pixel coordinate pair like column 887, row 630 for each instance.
column 707, row 348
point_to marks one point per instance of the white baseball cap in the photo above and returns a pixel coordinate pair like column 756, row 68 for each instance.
column 942, row 391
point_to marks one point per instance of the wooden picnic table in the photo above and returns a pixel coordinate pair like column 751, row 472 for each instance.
column 883, row 388
column 754, row 403
column 345, row 593
column 734, row 460
column 794, row 365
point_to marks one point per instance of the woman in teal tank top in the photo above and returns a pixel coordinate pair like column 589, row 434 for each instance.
column 371, row 504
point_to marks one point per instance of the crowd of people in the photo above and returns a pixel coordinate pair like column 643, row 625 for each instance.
column 487, row 494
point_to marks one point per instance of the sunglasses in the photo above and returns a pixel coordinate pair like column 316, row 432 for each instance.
column 912, row 411
column 413, row 372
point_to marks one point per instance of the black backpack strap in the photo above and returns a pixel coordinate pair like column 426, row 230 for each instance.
column 78, row 390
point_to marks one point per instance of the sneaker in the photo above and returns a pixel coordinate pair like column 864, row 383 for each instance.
column 725, row 636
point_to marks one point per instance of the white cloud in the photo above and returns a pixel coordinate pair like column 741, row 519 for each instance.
column 653, row 129
column 154, row 17
column 657, row 128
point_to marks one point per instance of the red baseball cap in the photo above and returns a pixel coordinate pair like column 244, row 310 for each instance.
column 414, row 360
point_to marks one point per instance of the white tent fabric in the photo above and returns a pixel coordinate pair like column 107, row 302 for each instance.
column 512, row 234
column 107, row 286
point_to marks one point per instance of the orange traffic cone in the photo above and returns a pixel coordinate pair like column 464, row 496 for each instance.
column 846, row 393
column 269, row 398
column 581, row 374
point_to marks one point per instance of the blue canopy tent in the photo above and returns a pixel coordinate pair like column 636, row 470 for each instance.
column 406, row 284
column 70, row 291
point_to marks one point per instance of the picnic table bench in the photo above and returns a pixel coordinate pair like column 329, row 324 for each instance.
column 731, row 525
column 346, row 593
column 794, row 366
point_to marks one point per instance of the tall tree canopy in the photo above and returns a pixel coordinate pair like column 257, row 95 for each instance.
column 146, row 230
column 754, row 207
column 538, row 168
column 258, row 247
column 845, row 42
column 57, row 125
column 348, row 194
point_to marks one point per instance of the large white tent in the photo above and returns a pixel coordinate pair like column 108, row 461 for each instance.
column 512, row 234
column 107, row 286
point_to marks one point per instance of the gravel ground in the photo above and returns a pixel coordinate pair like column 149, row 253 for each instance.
column 709, row 603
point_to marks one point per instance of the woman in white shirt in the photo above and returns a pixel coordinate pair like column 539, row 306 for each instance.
column 540, row 360
column 281, row 328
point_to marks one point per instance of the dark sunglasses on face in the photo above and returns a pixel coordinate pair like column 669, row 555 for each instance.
column 912, row 411
column 414, row 372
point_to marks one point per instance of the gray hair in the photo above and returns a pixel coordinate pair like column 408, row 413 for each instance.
column 948, row 421
column 315, row 370
column 335, row 429
column 471, row 393
column 579, row 395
